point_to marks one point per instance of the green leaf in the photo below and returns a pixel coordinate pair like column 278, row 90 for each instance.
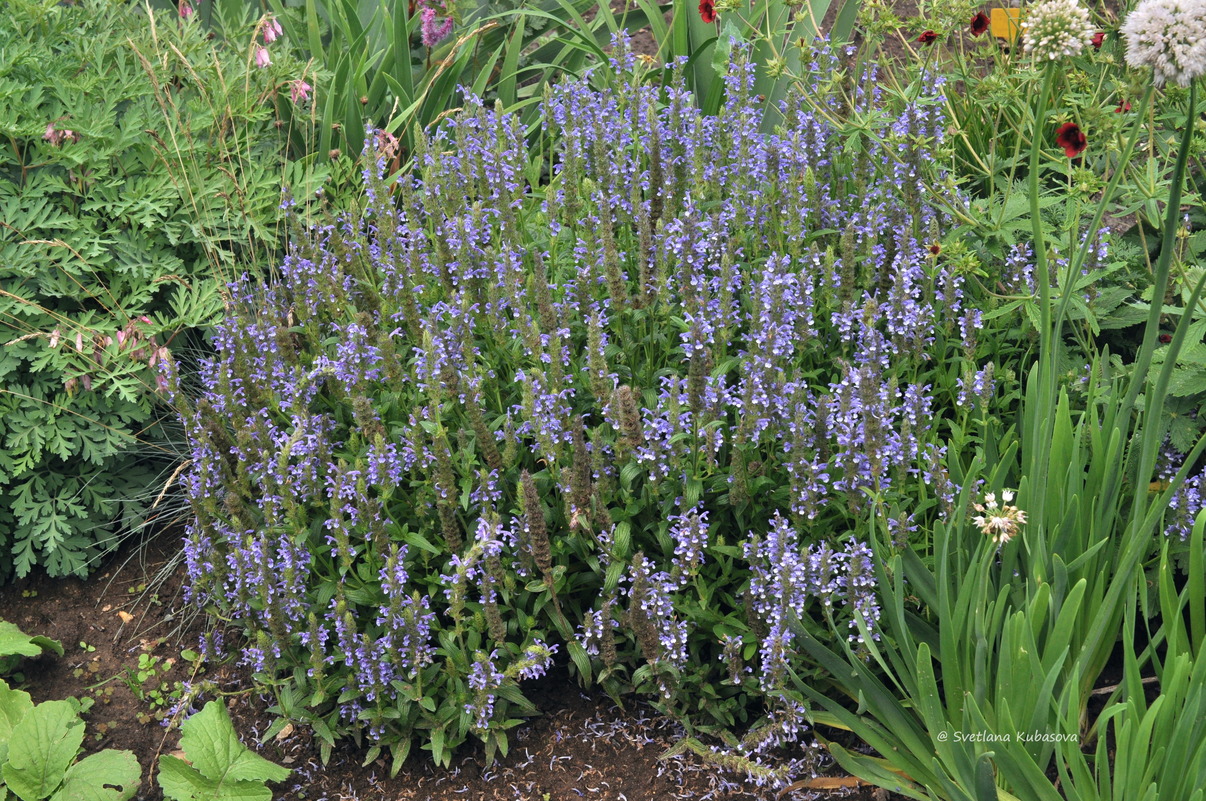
column 209, row 740
column 41, row 748
column 15, row 705
column 105, row 776
column 181, row 782
column 13, row 641
column 223, row 768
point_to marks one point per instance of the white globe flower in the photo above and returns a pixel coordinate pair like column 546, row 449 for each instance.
column 1170, row 37
column 1055, row 29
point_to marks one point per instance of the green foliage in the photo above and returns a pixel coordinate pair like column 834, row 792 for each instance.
column 124, row 211
column 218, row 766
column 370, row 65
column 38, row 750
column 15, row 645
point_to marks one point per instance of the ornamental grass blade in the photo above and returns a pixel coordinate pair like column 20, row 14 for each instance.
column 877, row 771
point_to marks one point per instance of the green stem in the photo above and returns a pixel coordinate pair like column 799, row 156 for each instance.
column 1160, row 275
column 1041, row 420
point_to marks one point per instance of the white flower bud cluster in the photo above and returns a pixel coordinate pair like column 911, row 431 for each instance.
column 1170, row 37
column 1055, row 29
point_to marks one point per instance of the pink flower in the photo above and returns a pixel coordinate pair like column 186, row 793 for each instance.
column 186, row 10
column 272, row 31
column 261, row 57
column 434, row 30
column 56, row 137
column 300, row 91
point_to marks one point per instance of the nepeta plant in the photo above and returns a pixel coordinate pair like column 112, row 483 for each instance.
column 618, row 403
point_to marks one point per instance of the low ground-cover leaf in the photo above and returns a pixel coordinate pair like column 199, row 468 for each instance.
column 16, row 643
column 41, row 748
column 222, row 769
column 14, row 706
column 106, row 776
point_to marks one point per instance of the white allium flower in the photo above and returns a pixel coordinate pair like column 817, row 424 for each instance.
column 1055, row 29
column 1170, row 37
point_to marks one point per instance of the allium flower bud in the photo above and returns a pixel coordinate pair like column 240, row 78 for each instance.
column 1000, row 522
column 1055, row 29
column 1170, row 37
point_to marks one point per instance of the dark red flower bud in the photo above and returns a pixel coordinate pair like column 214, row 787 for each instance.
column 935, row 248
column 1071, row 139
column 1165, row 339
column 1125, row 105
column 927, row 38
column 979, row 24
column 707, row 11
column 1097, row 40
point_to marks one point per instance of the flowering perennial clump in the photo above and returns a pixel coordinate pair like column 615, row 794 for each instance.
column 1056, row 29
column 611, row 408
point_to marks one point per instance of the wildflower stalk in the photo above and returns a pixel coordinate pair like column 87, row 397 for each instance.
column 1041, row 423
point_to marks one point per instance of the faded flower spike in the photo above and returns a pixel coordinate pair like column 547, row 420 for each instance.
column 1056, row 29
column 1170, row 37
column 1001, row 522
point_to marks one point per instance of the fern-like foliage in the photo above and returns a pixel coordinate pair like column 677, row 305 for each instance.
column 137, row 170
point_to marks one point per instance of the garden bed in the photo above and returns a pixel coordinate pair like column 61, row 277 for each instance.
column 581, row 746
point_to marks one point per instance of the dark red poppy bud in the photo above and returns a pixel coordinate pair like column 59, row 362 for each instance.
column 1125, row 105
column 1097, row 40
column 927, row 38
column 707, row 11
column 935, row 248
column 979, row 24
column 1165, row 339
column 1071, row 139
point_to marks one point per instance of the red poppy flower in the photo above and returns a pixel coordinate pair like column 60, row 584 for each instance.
column 1097, row 39
column 1071, row 139
column 707, row 10
column 927, row 38
column 979, row 24
column 1165, row 339
column 1125, row 105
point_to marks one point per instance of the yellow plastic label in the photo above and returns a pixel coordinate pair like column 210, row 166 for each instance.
column 1005, row 23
